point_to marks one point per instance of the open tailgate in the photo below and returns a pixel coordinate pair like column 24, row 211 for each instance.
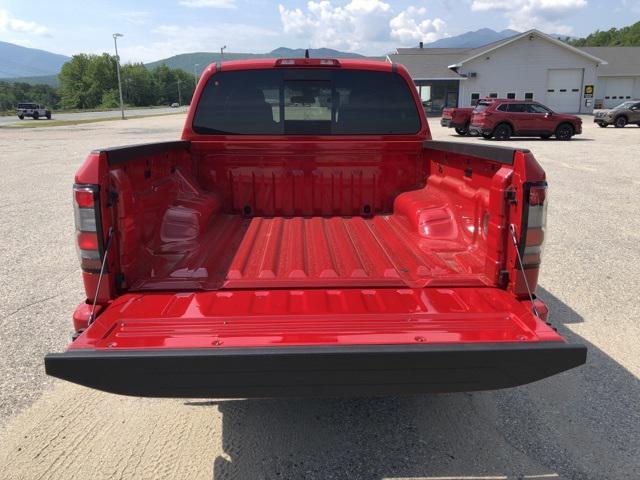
column 314, row 342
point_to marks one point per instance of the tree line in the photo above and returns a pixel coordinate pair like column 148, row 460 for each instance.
column 615, row 37
column 90, row 81
column 13, row 93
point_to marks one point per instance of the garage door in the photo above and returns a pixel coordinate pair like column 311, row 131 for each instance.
column 563, row 90
column 617, row 90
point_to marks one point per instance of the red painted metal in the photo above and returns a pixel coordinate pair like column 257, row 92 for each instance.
column 314, row 317
column 522, row 124
column 247, row 241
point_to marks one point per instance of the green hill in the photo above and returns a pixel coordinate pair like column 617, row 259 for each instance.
column 623, row 37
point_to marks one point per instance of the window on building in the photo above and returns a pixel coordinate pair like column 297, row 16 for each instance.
column 493, row 95
column 528, row 96
column 425, row 93
column 475, row 97
column 551, row 90
column 511, row 96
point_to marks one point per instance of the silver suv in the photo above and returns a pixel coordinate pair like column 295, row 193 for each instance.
column 627, row 112
column 33, row 110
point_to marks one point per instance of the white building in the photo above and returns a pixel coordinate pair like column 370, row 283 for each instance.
column 531, row 65
column 619, row 78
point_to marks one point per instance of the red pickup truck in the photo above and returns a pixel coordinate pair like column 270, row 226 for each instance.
column 458, row 118
column 307, row 237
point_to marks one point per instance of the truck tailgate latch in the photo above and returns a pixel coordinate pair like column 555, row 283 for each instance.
column 512, row 230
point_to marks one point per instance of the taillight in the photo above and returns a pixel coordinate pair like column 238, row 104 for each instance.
column 88, row 227
column 534, row 223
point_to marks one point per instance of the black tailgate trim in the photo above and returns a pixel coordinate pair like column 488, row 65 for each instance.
column 126, row 153
column 494, row 153
column 314, row 371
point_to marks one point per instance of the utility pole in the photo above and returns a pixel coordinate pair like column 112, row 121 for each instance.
column 115, row 42
column 222, row 49
column 195, row 73
column 179, row 94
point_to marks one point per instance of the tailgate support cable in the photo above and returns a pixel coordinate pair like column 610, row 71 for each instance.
column 104, row 263
column 512, row 229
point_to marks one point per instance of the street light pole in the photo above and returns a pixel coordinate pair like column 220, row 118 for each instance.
column 195, row 73
column 179, row 94
column 115, row 43
column 222, row 49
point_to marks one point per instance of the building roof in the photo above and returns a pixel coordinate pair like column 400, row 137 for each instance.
column 432, row 65
column 621, row 61
column 440, row 63
column 479, row 52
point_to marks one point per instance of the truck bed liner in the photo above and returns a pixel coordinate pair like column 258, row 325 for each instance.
column 302, row 252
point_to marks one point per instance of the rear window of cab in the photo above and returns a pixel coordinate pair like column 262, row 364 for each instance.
column 292, row 101
column 482, row 106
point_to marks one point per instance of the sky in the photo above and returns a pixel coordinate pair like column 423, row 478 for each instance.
column 156, row 29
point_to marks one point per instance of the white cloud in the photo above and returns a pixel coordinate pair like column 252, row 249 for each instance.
column 208, row 3
column 546, row 15
column 369, row 26
column 406, row 29
column 12, row 24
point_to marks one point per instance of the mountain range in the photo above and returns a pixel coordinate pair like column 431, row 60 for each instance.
column 479, row 38
column 31, row 65
column 187, row 61
column 18, row 61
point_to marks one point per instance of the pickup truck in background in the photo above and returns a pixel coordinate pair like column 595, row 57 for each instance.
column 458, row 118
column 306, row 237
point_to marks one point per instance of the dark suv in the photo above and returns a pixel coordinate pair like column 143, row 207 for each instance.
column 502, row 119
column 627, row 112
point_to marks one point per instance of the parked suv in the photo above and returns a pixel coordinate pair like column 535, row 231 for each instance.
column 627, row 112
column 32, row 110
column 502, row 119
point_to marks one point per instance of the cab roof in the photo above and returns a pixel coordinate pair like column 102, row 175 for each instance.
column 277, row 63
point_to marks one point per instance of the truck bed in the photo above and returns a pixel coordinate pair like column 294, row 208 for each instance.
column 303, row 252
column 237, row 220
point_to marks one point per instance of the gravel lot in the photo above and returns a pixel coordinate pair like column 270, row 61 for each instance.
column 583, row 424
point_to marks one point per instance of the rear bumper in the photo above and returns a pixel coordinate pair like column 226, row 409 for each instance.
column 314, row 371
column 448, row 122
column 604, row 120
column 476, row 130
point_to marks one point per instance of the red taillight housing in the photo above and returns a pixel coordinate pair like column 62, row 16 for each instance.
column 535, row 216
column 88, row 226
column 532, row 232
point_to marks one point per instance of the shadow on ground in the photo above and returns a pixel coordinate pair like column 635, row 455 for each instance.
column 582, row 424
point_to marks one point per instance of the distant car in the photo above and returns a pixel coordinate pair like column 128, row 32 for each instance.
column 627, row 112
column 32, row 110
column 175, row 105
column 501, row 119
column 458, row 118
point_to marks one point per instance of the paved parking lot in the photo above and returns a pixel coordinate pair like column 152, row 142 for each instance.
column 583, row 424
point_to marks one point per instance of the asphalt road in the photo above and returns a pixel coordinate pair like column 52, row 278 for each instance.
column 582, row 424
column 5, row 120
